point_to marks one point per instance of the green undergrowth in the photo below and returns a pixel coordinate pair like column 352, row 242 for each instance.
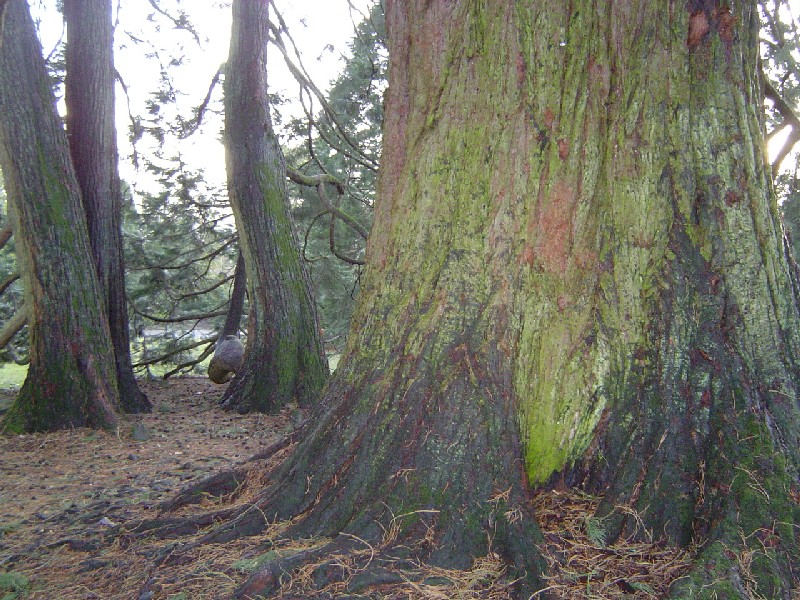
column 12, row 585
column 12, row 375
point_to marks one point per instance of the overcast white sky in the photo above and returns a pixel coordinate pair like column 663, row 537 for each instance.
column 321, row 29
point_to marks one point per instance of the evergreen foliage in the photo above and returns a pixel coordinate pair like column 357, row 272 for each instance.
column 780, row 49
column 334, row 250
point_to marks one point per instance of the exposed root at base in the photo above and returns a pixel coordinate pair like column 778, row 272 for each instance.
column 580, row 563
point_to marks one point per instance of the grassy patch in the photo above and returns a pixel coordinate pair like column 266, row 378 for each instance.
column 12, row 585
column 12, row 375
column 6, row 528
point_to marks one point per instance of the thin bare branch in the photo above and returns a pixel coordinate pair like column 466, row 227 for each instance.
column 303, row 78
column 790, row 117
column 190, row 364
column 8, row 281
column 180, row 22
column 201, row 110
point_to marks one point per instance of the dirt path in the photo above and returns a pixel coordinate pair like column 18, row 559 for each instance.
column 59, row 492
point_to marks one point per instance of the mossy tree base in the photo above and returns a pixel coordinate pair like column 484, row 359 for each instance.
column 576, row 275
column 442, row 484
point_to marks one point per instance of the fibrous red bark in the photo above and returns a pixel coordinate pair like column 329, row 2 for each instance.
column 576, row 276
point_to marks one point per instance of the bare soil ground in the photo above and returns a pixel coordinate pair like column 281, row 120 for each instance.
column 73, row 505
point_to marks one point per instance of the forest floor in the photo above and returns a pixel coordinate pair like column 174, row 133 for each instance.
column 71, row 503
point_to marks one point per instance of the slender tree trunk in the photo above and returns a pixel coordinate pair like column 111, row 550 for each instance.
column 284, row 358
column 576, row 275
column 236, row 306
column 228, row 351
column 93, row 146
column 71, row 379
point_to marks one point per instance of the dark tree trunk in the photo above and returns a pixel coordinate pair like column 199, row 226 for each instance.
column 93, row 145
column 228, row 351
column 576, row 275
column 236, row 306
column 284, row 358
column 71, row 379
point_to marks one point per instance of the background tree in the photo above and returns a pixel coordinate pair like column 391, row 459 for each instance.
column 71, row 379
column 181, row 252
column 576, row 276
column 780, row 40
column 228, row 350
column 334, row 249
column 284, row 358
column 13, row 313
column 93, row 144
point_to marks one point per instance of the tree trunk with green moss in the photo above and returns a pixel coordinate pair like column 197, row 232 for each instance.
column 93, row 144
column 576, row 275
column 71, row 378
column 284, row 358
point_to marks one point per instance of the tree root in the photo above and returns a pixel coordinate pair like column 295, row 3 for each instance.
column 350, row 566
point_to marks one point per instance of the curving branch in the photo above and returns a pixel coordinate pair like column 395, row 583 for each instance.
column 316, row 218
column 789, row 118
column 195, row 123
column 175, row 351
column 334, row 250
column 13, row 326
column 8, row 281
column 208, row 290
column 179, row 319
column 190, row 364
column 339, row 214
column 332, row 228
column 193, row 261
column 314, row 180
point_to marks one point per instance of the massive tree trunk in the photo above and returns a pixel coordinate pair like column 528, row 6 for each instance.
column 71, row 379
column 576, row 275
column 284, row 358
column 93, row 145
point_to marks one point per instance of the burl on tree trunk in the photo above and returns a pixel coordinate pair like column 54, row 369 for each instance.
column 576, row 275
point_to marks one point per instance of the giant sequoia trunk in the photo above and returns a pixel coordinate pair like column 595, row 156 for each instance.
column 284, row 358
column 71, row 379
column 576, row 275
column 93, row 144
